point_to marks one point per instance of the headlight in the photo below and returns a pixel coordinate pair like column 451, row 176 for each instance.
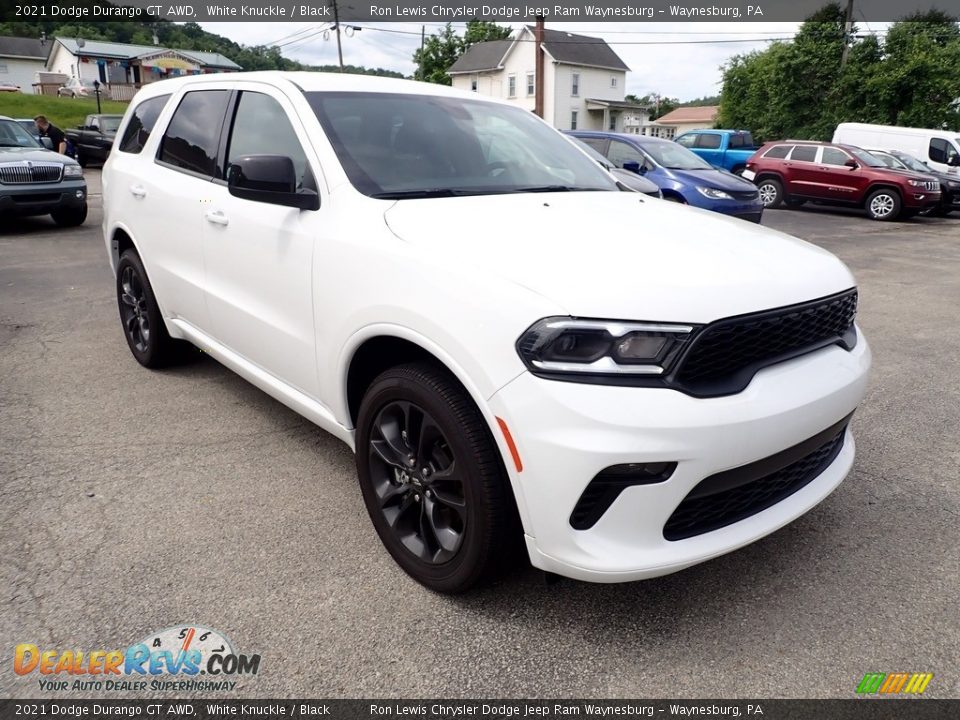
column 713, row 193
column 72, row 171
column 918, row 183
column 563, row 346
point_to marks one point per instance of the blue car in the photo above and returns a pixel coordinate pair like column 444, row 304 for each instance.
column 681, row 176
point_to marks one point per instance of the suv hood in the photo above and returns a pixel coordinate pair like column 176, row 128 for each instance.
column 620, row 255
column 15, row 154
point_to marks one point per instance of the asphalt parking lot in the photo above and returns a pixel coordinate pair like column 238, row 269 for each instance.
column 133, row 501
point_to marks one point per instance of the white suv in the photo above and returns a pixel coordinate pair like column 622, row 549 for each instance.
column 514, row 347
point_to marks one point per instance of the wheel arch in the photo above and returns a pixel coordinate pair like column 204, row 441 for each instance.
column 377, row 348
column 120, row 241
column 880, row 185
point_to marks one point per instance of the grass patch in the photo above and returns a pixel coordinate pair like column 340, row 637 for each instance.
column 63, row 112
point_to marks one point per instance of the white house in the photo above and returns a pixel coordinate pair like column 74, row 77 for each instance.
column 123, row 67
column 21, row 59
column 584, row 79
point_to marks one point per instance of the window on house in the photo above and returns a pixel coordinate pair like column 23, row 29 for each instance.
column 613, row 82
column 512, row 86
column 530, row 84
column 573, row 119
column 3, row 69
column 613, row 123
column 575, row 84
column 473, row 85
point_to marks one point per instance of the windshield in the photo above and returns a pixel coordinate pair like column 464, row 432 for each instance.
column 889, row 160
column 12, row 134
column 912, row 163
column 396, row 146
column 675, row 157
column 866, row 158
column 110, row 124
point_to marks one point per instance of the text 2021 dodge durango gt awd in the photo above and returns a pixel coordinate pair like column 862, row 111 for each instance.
column 444, row 282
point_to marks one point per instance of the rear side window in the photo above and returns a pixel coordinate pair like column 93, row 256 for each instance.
column 193, row 136
column 142, row 120
column 804, row 153
column 709, row 141
column 778, row 151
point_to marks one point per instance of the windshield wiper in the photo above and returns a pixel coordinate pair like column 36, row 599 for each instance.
column 556, row 188
column 415, row 194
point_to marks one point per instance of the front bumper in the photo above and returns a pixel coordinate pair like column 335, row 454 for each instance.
column 566, row 433
column 42, row 198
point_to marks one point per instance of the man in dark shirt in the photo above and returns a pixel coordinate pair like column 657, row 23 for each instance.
column 46, row 129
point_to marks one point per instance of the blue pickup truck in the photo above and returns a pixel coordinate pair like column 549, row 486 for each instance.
column 725, row 149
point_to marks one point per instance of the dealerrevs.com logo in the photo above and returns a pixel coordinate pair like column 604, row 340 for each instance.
column 171, row 659
column 894, row 683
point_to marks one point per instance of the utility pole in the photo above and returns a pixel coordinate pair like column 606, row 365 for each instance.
column 538, row 78
column 847, row 29
column 423, row 40
column 336, row 22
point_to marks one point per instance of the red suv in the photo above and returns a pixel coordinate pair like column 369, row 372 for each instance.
column 794, row 172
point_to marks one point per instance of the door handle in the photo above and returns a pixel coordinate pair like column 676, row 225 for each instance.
column 217, row 218
column 138, row 191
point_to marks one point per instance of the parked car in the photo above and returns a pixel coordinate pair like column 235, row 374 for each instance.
column 940, row 149
column 94, row 138
column 681, row 176
column 38, row 181
column 949, row 184
column 519, row 353
column 795, row 171
column 637, row 183
column 9, row 86
column 77, row 88
column 726, row 149
column 31, row 127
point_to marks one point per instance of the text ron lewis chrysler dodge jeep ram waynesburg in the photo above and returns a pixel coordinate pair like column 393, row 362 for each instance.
column 505, row 358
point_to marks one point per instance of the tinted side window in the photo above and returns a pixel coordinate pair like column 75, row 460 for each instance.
column 688, row 140
column 620, row 153
column 832, row 156
column 778, row 151
column 709, row 141
column 141, row 124
column 261, row 127
column 804, row 153
column 737, row 140
column 193, row 136
column 941, row 150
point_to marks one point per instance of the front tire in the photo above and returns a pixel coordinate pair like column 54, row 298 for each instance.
column 140, row 316
column 883, row 205
column 771, row 193
column 432, row 479
column 70, row 217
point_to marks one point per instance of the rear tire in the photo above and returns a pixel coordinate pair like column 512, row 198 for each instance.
column 771, row 193
column 432, row 479
column 140, row 316
column 883, row 205
column 70, row 217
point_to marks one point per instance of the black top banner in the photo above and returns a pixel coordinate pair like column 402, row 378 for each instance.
column 646, row 11
column 115, row 709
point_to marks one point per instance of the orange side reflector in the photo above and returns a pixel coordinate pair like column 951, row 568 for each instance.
column 510, row 444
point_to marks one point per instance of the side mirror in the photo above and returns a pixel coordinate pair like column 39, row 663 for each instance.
column 953, row 161
column 852, row 164
column 47, row 143
column 633, row 166
column 269, row 179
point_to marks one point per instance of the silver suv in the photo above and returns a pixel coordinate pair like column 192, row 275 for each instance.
column 37, row 181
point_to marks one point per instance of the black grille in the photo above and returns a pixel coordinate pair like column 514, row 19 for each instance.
column 734, row 495
column 745, row 195
column 725, row 355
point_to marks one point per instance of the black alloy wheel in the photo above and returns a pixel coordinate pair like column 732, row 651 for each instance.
column 133, row 310
column 433, row 480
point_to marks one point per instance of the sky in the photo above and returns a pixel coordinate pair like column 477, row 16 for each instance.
column 684, row 71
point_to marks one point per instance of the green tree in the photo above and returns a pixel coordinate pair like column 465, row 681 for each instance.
column 443, row 49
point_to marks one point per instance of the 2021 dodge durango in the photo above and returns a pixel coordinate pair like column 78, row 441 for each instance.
column 505, row 360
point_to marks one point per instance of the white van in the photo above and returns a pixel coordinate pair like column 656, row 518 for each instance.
column 940, row 149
